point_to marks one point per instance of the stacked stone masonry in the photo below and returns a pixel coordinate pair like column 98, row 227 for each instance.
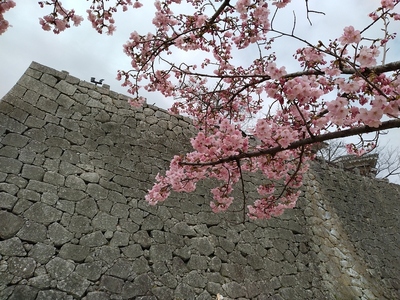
column 75, row 164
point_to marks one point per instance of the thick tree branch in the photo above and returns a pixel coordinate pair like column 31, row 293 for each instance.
column 389, row 67
column 308, row 141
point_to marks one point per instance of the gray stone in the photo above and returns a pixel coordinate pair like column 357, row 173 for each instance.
column 53, row 295
column 80, row 224
column 75, row 182
column 120, row 210
column 197, row 262
column 65, row 88
column 23, row 292
column 74, row 284
column 21, row 266
column 43, row 213
column 152, row 222
column 21, row 206
column 54, row 178
column 184, row 291
column 58, row 234
column 97, row 296
column 140, row 287
column 287, row 293
column 132, row 251
column 183, row 228
column 32, row 172
column 33, row 232
column 163, row 293
column 5, row 279
column 35, row 122
column 59, row 268
column 41, row 282
column 90, row 177
column 14, row 139
column 140, row 265
column 7, row 201
column 194, row 279
column 10, row 224
column 97, row 191
column 169, row 280
column 234, row 290
column 87, row 207
column 255, row 261
column 36, row 134
column 215, row 264
column 66, row 206
column 42, row 252
column 10, row 165
column 120, row 239
column 67, row 168
column 11, row 189
column 77, row 253
column 288, row 280
column 111, row 284
column 11, row 124
column 9, row 151
column 91, row 271
column 107, row 253
column 71, row 194
column 39, row 87
column 12, row 247
column 233, row 271
column 49, row 198
column 94, row 239
column 122, row 268
column 160, row 252
column 183, row 253
column 203, row 245
column 274, row 268
column 104, row 221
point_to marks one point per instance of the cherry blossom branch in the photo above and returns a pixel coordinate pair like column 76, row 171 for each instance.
column 60, row 18
column 301, row 143
column 340, row 91
column 5, row 6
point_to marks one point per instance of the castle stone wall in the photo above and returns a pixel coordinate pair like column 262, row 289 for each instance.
column 75, row 164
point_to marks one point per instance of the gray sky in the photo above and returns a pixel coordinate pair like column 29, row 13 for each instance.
column 84, row 53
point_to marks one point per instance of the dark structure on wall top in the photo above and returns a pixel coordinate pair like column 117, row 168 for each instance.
column 75, row 163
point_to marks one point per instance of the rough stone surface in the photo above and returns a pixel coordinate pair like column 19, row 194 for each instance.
column 10, row 224
column 75, row 163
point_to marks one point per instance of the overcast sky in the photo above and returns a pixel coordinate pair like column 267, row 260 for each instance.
column 84, row 53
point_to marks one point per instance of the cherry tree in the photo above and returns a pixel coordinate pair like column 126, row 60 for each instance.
column 343, row 87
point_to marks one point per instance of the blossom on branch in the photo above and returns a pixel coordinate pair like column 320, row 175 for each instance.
column 5, row 5
column 338, row 90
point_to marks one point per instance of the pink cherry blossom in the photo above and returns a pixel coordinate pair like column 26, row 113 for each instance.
column 350, row 36
column 334, row 89
column 389, row 4
column 367, row 57
column 5, row 5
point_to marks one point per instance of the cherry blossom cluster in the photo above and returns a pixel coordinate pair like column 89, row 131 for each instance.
column 5, row 5
column 102, row 18
column 343, row 88
column 60, row 18
column 305, row 108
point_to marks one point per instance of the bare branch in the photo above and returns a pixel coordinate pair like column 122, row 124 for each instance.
column 312, row 11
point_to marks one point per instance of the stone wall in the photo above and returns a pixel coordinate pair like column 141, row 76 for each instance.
column 75, row 163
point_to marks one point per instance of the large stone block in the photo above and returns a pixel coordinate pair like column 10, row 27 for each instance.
column 10, row 224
